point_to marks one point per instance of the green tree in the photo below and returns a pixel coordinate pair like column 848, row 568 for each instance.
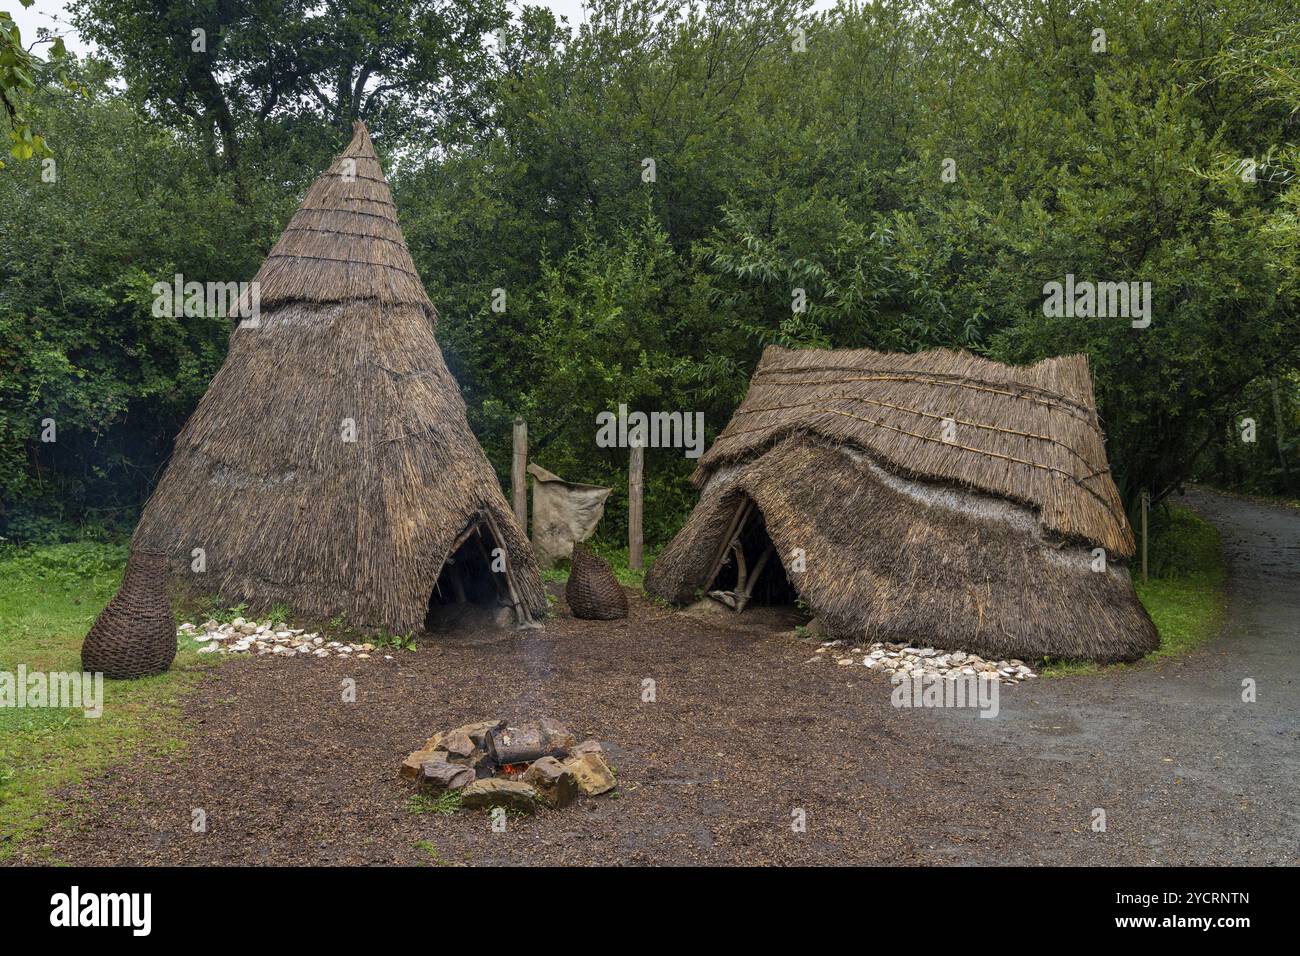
column 20, row 73
column 231, row 70
column 128, row 205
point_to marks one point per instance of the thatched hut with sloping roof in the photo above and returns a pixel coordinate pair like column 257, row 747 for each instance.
column 330, row 465
column 937, row 497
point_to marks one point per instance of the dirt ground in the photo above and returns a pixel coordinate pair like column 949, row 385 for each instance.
column 743, row 732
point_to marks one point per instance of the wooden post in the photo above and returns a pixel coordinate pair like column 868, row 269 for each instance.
column 635, row 469
column 743, row 595
column 1146, row 505
column 737, row 525
column 519, row 475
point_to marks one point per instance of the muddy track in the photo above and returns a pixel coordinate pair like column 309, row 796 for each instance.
column 743, row 732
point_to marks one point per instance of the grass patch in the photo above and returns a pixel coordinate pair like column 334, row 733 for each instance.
column 617, row 558
column 435, row 856
column 1185, row 592
column 558, row 575
column 49, row 597
column 445, row 803
column 1186, row 598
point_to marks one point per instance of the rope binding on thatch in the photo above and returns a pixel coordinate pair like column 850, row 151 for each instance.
column 1026, row 433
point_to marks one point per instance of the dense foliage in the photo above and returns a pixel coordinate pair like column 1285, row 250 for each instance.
column 651, row 189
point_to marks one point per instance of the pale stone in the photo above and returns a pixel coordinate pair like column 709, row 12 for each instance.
column 556, row 784
column 593, row 774
column 457, row 742
column 410, row 768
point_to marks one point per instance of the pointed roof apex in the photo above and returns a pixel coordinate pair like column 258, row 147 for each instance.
column 344, row 243
column 360, row 144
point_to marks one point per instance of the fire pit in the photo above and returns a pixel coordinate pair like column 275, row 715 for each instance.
column 493, row 763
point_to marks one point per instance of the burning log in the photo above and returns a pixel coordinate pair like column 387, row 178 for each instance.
column 517, row 745
column 558, row 734
column 528, row 742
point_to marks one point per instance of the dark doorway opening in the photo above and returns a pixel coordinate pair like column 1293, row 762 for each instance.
column 749, row 569
column 468, row 587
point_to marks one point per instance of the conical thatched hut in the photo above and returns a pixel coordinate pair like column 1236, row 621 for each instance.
column 330, row 465
column 937, row 497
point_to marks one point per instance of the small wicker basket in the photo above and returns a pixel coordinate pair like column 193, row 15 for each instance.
column 135, row 635
column 593, row 592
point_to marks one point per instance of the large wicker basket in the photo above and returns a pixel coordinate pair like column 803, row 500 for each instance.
column 135, row 635
column 593, row 592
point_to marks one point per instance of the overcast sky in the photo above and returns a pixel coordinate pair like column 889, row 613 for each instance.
column 50, row 13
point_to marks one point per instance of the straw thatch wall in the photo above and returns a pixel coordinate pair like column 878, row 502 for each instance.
column 908, row 539
column 260, row 478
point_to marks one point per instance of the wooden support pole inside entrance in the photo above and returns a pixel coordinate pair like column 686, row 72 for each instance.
column 519, row 475
column 635, row 470
column 737, row 524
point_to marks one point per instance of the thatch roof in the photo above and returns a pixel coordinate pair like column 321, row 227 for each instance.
column 260, row 478
column 890, row 559
column 1029, row 434
column 983, row 544
column 344, row 244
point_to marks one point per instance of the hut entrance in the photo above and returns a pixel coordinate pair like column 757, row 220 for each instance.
column 468, row 585
column 747, row 569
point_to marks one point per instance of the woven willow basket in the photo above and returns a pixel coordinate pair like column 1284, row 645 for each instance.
column 593, row 592
column 135, row 635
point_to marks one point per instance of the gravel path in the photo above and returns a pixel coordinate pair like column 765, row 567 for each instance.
column 742, row 733
column 1186, row 771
